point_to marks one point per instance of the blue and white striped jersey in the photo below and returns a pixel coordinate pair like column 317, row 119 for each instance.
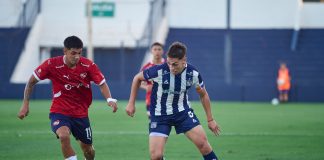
column 169, row 92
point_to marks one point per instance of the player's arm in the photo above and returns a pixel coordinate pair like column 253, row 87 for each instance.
column 105, row 91
column 205, row 101
column 138, row 78
column 144, row 85
column 24, row 109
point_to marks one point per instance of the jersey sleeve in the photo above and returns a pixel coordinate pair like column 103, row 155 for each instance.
column 197, row 80
column 144, row 67
column 96, row 76
column 43, row 71
column 151, row 72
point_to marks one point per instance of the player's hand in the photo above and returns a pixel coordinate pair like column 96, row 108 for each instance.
column 214, row 127
column 149, row 88
column 130, row 109
column 23, row 112
column 113, row 105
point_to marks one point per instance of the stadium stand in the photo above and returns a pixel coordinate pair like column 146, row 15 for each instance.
column 255, row 58
column 10, row 49
column 256, row 49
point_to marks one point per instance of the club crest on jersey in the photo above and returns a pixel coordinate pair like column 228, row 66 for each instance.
column 83, row 75
column 57, row 122
column 39, row 70
column 68, row 86
column 189, row 82
column 153, row 124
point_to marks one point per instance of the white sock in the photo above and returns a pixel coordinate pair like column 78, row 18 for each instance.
column 72, row 158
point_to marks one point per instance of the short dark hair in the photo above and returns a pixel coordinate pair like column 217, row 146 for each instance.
column 177, row 50
column 73, row 42
column 156, row 44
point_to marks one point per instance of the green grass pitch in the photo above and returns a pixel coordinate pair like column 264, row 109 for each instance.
column 250, row 131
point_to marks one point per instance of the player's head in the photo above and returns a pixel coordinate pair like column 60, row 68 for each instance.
column 283, row 65
column 72, row 50
column 73, row 42
column 157, row 50
column 177, row 57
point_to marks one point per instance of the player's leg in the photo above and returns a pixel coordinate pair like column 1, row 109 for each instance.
column 61, row 127
column 88, row 150
column 285, row 96
column 188, row 123
column 156, row 144
column 198, row 136
column 63, row 134
column 281, row 97
column 159, row 132
column 82, row 131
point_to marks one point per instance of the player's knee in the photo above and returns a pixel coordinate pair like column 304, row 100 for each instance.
column 203, row 144
column 156, row 155
column 64, row 137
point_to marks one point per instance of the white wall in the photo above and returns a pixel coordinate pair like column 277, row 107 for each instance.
column 30, row 56
column 247, row 14
column 62, row 18
column 263, row 13
column 9, row 12
column 197, row 14
column 313, row 15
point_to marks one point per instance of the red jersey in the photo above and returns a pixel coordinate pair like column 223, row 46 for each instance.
column 149, row 83
column 71, row 88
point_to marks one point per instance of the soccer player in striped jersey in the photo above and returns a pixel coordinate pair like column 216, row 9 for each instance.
column 170, row 105
column 71, row 76
column 157, row 59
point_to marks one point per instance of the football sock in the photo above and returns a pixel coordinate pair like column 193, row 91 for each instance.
column 210, row 156
column 72, row 158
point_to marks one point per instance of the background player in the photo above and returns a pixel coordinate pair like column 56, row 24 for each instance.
column 157, row 52
column 71, row 76
column 283, row 82
column 170, row 105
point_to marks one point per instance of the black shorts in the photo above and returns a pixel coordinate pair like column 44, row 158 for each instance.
column 182, row 122
column 79, row 127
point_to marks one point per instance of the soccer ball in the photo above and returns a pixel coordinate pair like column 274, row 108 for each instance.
column 274, row 101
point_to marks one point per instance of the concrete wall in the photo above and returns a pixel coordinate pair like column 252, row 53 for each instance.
column 197, row 14
column 9, row 12
column 254, row 14
column 69, row 18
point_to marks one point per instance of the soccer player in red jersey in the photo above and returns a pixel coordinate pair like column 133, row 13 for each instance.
column 71, row 76
column 157, row 52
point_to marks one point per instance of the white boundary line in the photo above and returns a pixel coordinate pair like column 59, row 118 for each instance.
column 146, row 133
